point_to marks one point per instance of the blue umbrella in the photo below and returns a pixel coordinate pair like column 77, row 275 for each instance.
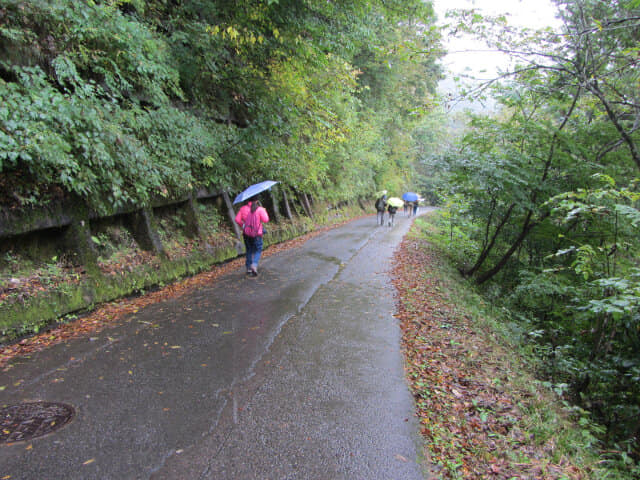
column 254, row 190
column 410, row 197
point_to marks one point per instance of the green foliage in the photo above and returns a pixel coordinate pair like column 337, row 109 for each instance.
column 97, row 150
column 540, row 199
column 119, row 102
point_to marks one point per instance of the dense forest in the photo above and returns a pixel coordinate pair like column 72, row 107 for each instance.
column 120, row 101
column 540, row 204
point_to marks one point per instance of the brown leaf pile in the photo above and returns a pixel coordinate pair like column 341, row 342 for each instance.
column 470, row 413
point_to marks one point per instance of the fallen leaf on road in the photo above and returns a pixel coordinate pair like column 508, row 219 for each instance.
column 89, row 461
column 401, row 458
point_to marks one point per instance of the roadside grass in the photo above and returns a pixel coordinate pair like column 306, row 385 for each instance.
column 483, row 413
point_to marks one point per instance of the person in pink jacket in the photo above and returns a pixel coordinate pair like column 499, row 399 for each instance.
column 250, row 218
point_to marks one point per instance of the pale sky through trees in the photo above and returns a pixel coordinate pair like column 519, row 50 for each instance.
column 469, row 56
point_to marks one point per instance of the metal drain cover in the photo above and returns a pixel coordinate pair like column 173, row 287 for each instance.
column 24, row 421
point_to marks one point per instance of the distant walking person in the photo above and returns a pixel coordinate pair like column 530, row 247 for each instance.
column 381, row 205
column 250, row 218
column 392, row 209
column 415, row 208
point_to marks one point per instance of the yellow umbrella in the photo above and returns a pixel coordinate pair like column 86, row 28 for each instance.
column 395, row 202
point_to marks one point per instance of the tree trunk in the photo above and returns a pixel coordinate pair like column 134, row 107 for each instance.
column 276, row 207
column 232, row 217
column 528, row 225
column 305, row 204
column 287, row 208
column 487, row 249
column 633, row 149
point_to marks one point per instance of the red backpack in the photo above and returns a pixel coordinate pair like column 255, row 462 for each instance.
column 252, row 224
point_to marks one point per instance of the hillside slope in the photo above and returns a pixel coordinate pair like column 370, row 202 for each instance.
column 483, row 414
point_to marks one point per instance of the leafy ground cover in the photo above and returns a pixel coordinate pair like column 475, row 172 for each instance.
column 482, row 414
column 21, row 279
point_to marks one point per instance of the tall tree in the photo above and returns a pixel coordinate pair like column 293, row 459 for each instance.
column 547, row 204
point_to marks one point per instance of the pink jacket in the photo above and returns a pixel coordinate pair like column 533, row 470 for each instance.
column 244, row 211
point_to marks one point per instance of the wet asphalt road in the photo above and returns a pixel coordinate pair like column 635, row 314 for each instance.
column 294, row 375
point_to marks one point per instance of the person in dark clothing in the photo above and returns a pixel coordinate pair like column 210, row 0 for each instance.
column 392, row 213
column 381, row 205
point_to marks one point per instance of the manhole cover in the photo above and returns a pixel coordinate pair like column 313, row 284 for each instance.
column 25, row 421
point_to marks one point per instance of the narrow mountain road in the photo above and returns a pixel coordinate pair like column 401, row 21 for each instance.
column 296, row 374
